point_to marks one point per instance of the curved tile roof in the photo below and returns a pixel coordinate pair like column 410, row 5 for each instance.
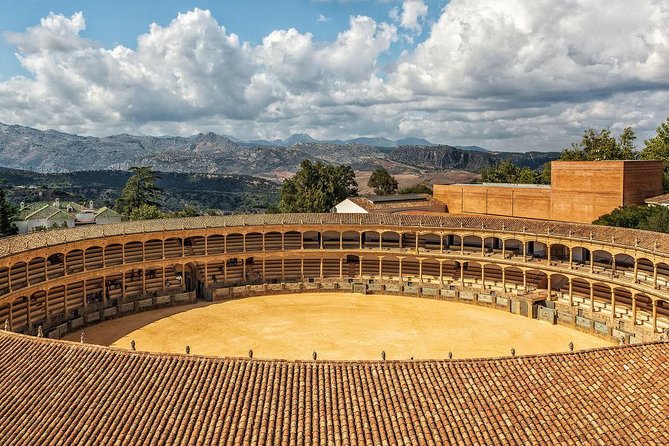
column 57, row 392
column 651, row 241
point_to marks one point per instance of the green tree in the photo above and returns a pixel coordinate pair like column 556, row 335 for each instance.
column 503, row 172
column 382, row 182
column 419, row 188
column 188, row 211
column 657, row 148
column 139, row 190
column 657, row 220
column 317, row 187
column 145, row 212
column 625, row 217
column 7, row 211
column 602, row 145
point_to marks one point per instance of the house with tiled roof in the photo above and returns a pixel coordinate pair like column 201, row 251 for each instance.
column 389, row 204
column 40, row 216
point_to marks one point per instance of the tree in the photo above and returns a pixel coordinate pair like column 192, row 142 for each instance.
column 7, row 211
column 145, row 212
column 317, row 187
column 382, row 182
column 625, row 217
column 657, row 148
column 507, row 172
column 188, row 211
column 602, row 145
column 139, row 190
column 419, row 188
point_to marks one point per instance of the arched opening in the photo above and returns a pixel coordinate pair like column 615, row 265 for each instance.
column 602, row 297
column 644, row 310
column 662, row 275
column 37, row 310
column 370, row 266
column 580, row 255
column 216, row 244
column 390, row 240
column 74, row 261
column 559, row 286
column 4, row 281
column 492, row 275
column 472, row 272
column 18, row 275
column 173, row 248
column 194, row 246
column 451, row 242
column 153, row 249
column 408, row 240
column 559, row 252
column 431, row 270
column 254, row 242
column 623, row 299
column 536, row 280
column 55, row 266
column 536, row 250
column 602, row 261
column 371, row 240
column 644, row 271
column 36, row 270
column 429, row 242
column 472, row 243
column 390, row 267
column 311, row 240
column 580, row 291
column 624, row 265
column 292, row 240
column 133, row 253
column 331, row 240
column 492, row 245
column 331, row 267
column 234, row 243
column 273, row 241
column 350, row 240
column 513, row 277
column 513, row 248
column 93, row 258
column 451, row 270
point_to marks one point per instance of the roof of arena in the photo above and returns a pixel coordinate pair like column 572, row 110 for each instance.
column 644, row 240
column 58, row 392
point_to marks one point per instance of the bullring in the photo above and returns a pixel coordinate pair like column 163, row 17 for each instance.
column 607, row 281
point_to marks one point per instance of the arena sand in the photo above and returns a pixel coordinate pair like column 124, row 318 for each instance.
column 337, row 326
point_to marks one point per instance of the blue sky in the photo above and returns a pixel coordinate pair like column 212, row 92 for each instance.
column 502, row 74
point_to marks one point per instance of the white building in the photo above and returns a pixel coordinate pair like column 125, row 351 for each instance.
column 390, row 204
column 42, row 216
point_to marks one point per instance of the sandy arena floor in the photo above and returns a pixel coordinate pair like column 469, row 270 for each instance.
column 337, row 326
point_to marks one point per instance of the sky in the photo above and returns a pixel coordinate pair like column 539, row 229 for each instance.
column 503, row 74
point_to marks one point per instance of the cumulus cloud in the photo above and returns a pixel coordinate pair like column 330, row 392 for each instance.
column 506, row 74
column 411, row 14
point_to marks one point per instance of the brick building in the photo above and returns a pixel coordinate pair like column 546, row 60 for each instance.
column 580, row 191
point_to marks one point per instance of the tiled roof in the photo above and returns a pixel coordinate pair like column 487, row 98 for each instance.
column 424, row 200
column 56, row 392
column 39, row 211
column 107, row 212
column 634, row 238
column 660, row 199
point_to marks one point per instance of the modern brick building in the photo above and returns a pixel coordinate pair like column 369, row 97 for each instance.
column 580, row 191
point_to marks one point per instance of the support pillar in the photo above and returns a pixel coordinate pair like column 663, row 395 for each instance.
column 504, row 279
column 380, row 266
column 441, row 243
column 592, row 263
column 360, row 267
column 321, row 268
column 571, row 292
column 525, row 280
column 633, row 310
column 341, row 268
column 524, row 251
column 636, row 270
column 417, row 236
column 571, row 258
column 302, row 268
column 483, row 276
column 655, row 275
column 420, row 270
column 441, row 271
column 613, row 304
column 654, row 316
column 462, row 244
column 548, row 253
column 462, row 273
column 592, row 297
column 400, row 268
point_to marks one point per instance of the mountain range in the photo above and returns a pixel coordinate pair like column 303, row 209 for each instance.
column 52, row 151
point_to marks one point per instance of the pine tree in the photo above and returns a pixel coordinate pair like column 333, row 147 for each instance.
column 6, row 216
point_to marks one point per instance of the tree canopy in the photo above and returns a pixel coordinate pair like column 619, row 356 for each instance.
column 140, row 191
column 419, row 188
column 317, row 187
column 7, row 211
column 507, row 172
column 650, row 218
column 657, row 148
column 382, row 182
column 602, row 145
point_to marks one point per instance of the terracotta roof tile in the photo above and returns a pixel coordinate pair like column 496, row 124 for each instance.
column 56, row 392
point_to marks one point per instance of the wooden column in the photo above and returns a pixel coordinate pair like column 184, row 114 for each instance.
column 503, row 250
column 380, row 240
column 360, row 239
column 341, row 241
column 524, row 251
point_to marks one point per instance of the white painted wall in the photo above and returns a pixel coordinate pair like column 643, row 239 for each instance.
column 348, row 207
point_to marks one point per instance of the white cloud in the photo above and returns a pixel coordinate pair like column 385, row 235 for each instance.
column 505, row 74
column 321, row 18
column 412, row 15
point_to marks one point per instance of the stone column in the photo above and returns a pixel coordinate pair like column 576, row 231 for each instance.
column 613, row 304
column 441, row 243
column 462, row 244
column 420, row 270
column 380, row 266
column 571, row 292
column 504, row 279
column 592, row 297
column 341, row 268
column 322, row 260
column 548, row 253
column 483, row 276
column 636, row 270
column 655, row 275
column 441, row 269
column 633, row 310
column 571, row 258
column 654, row 316
column 462, row 273
column 400, row 268
column 525, row 280
column 360, row 267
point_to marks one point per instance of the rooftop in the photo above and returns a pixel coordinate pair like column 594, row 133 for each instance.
column 527, row 186
column 660, row 199
column 68, row 393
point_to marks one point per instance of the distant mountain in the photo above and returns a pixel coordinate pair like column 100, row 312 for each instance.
column 53, row 151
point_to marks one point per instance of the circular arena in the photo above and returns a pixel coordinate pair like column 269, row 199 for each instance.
column 466, row 279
